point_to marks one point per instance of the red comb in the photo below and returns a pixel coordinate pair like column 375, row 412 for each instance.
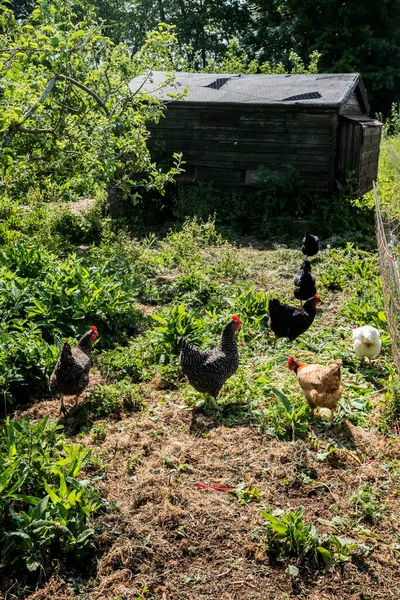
column 94, row 328
column 317, row 297
column 236, row 319
column 290, row 361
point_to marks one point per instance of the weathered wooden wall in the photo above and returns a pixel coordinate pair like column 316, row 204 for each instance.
column 358, row 150
column 369, row 158
column 228, row 145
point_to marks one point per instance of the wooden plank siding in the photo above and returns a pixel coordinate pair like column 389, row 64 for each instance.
column 272, row 137
column 359, row 150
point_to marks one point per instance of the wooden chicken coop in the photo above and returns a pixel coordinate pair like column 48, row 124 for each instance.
column 229, row 126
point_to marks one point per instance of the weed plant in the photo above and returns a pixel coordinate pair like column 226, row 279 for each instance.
column 288, row 536
column 45, row 508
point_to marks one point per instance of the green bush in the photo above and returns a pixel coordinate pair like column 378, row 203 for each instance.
column 45, row 299
column 122, row 362
column 44, row 507
column 288, row 536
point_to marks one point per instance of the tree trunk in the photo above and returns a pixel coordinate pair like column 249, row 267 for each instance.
column 115, row 201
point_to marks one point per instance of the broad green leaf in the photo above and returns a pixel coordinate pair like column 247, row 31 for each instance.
column 283, row 399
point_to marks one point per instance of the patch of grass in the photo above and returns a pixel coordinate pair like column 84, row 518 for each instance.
column 391, row 413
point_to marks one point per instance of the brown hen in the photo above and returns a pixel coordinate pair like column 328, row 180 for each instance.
column 321, row 385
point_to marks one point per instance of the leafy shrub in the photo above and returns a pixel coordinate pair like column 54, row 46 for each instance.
column 287, row 535
column 276, row 192
column 194, row 201
column 44, row 299
column 229, row 265
column 24, row 259
column 26, row 361
column 333, row 279
column 99, row 432
column 367, row 306
column 44, row 508
column 175, row 323
column 122, row 362
column 184, row 245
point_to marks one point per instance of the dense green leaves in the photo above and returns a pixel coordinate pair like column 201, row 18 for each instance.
column 66, row 95
column 43, row 506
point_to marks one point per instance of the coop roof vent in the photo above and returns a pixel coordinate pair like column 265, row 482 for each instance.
column 309, row 96
column 218, row 83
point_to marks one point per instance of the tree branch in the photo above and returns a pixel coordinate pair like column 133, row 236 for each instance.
column 32, row 130
column 87, row 90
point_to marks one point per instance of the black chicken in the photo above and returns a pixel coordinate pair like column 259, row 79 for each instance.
column 207, row 371
column 290, row 321
column 71, row 374
column 304, row 282
column 310, row 244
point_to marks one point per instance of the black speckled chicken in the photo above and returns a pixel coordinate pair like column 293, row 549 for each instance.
column 207, row 371
column 304, row 282
column 71, row 374
column 310, row 244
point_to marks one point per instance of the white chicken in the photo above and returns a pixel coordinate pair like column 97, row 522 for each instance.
column 366, row 342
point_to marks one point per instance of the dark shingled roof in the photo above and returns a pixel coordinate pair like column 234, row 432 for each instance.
column 325, row 90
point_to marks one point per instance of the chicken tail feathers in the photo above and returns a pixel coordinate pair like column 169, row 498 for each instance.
column 182, row 344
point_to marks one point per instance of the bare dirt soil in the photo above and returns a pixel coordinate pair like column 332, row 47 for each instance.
column 165, row 538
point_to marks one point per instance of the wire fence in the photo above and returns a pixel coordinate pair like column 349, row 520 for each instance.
column 388, row 237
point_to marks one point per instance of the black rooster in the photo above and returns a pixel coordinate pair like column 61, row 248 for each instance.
column 207, row 371
column 290, row 321
column 310, row 244
column 71, row 374
column 304, row 282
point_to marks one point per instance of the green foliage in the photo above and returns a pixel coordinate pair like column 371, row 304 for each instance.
column 184, row 245
column 348, row 38
column 175, row 323
column 105, row 400
column 122, row 362
column 286, row 417
column 247, row 212
column 245, row 494
column 287, row 535
column 66, row 101
column 392, row 402
column 228, row 265
column 391, row 126
column 45, row 299
column 44, row 507
column 99, row 432
column 368, row 502
column 236, row 60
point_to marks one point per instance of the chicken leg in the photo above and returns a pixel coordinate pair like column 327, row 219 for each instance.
column 63, row 410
